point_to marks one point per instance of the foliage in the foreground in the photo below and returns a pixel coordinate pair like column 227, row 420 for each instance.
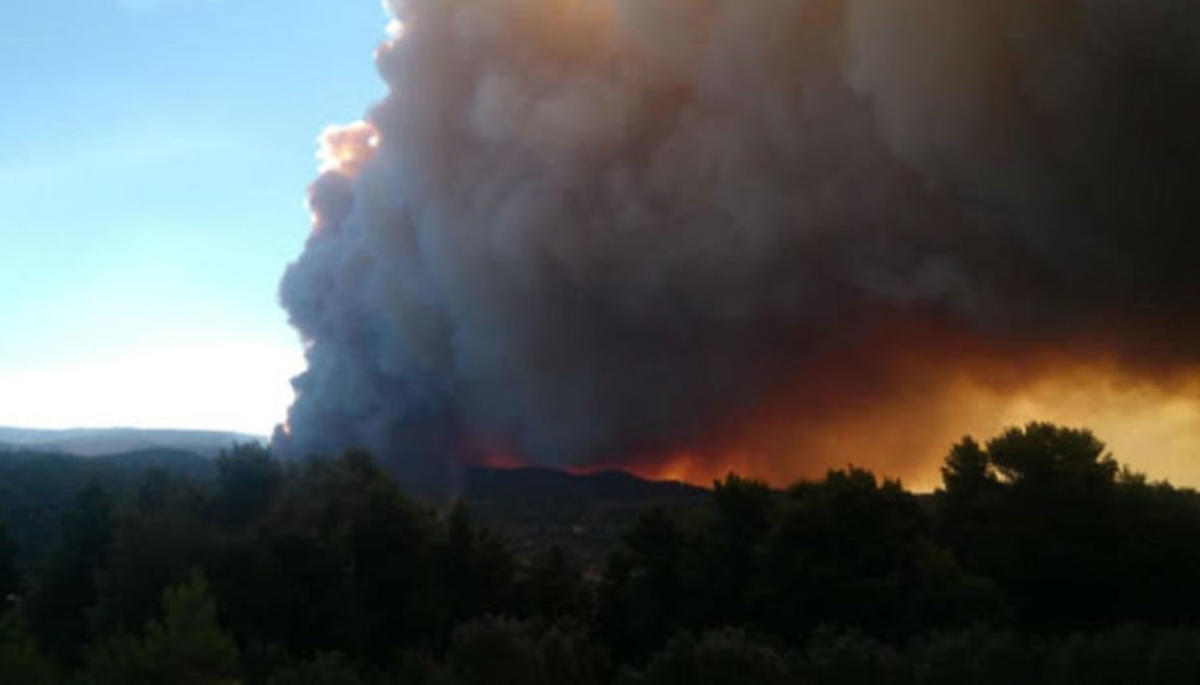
column 187, row 646
column 1039, row 561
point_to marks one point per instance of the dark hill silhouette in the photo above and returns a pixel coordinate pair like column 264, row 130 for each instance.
column 547, row 483
column 581, row 513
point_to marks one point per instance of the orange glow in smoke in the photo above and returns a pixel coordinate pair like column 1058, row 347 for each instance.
column 1153, row 429
column 917, row 389
column 497, row 459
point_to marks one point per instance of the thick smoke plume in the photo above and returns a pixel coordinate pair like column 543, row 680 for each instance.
column 768, row 234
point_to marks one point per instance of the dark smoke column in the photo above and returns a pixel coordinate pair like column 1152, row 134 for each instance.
column 603, row 233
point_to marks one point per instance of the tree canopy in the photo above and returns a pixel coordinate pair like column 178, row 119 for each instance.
column 1037, row 560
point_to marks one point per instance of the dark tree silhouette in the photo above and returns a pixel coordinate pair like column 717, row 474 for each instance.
column 156, row 539
column 642, row 595
column 10, row 577
column 248, row 479
column 723, row 562
column 550, row 587
column 853, row 552
column 1070, row 539
column 59, row 605
column 187, row 645
column 475, row 570
column 725, row 657
column 1023, row 567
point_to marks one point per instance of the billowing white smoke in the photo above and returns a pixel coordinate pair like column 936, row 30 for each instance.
column 579, row 230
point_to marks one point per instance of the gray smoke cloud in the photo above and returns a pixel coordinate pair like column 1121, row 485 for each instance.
column 585, row 232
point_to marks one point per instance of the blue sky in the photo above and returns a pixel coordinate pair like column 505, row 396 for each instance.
column 153, row 160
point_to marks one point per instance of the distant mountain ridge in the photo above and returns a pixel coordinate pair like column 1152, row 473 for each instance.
column 543, row 482
column 94, row 442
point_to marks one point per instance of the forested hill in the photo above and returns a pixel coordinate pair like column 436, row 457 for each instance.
column 1040, row 560
column 581, row 513
column 551, row 484
column 36, row 487
column 532, row 506
column 90, row 442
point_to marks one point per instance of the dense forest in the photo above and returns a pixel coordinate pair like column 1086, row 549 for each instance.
column 1039, row 560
